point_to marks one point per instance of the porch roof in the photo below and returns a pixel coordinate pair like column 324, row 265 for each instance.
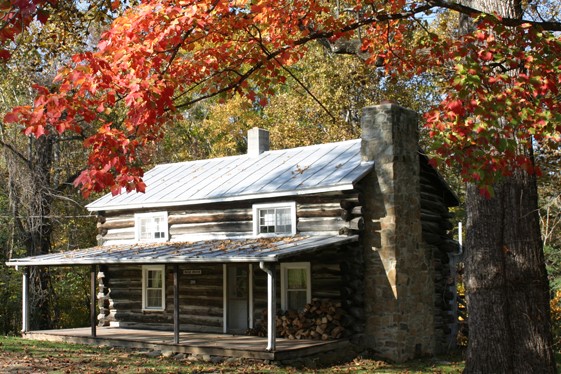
column 229, row 250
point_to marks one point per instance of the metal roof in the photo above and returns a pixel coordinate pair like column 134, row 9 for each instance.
column 216, row 251
column 287, row 172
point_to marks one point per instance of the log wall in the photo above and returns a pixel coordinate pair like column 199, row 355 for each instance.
column 318, row 214
column 435, row 220
column 334, row 278
column 200, row 298
column 202, row 302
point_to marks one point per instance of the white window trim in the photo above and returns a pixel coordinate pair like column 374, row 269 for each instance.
column 145, row 269
column 139, row 216
column 289, row 204
column 284, row 280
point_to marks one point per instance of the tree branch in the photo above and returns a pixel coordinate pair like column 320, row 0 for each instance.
column 472, row 12
column 324, row 36
column 15, row 152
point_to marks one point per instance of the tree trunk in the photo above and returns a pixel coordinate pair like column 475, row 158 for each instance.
column 506, row 282
column 31, row 202
column 40, row 229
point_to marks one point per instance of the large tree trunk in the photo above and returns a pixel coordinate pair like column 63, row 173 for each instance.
column 506, row 281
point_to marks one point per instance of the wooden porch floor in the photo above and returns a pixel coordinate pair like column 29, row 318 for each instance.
column 238, row 346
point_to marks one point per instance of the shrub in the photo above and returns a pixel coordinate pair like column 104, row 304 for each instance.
column 555, row 305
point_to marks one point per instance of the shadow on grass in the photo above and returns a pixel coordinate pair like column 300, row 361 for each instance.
column 25, row 356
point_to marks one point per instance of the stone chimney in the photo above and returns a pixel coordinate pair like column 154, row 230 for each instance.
column 257, row 141
column 399, row 283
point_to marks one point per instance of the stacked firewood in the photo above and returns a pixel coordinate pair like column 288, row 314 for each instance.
column 319, row 320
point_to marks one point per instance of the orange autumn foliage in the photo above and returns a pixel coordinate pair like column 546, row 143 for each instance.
column 162, row 56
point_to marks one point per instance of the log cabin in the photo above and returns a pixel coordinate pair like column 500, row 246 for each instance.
column 348, row 240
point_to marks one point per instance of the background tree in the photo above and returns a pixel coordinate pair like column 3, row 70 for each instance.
column 320, row 102
column 41, row 206
column 550, row 212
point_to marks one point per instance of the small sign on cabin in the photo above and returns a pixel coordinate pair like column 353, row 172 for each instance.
column 192, row 272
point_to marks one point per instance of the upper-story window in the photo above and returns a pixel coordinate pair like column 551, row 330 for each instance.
column 274, row 219
column 151, row 227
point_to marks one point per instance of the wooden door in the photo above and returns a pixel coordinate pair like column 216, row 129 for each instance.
column 238, row 298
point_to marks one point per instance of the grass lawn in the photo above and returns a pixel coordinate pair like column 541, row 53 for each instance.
column 28, row 356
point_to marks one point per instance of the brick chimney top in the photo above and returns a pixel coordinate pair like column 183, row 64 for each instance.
column 257, row 141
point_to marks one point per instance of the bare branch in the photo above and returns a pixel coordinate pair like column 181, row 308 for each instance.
column 15, row 152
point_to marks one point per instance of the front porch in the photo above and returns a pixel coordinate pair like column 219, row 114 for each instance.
column 194, row 343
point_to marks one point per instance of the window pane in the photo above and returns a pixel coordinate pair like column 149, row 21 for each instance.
column 296, row 279
column 154, row 279
column 266, row 220
column 283, row 220
column 267, row 216
column 296, row 300
column 154, row 298
column 283, row 216
column 145, row 232
column 158, row 228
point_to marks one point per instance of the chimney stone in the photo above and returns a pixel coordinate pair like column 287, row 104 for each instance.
column 389, row 132
column 398, row 275
column 257, row 141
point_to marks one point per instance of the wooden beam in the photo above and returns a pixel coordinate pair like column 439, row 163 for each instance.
column 212, row 227
column 250, row 296
column 116, row 224
column 224, row 298
column 93, row 299
column 176, row 304
column 349, row 203
column 206, row 217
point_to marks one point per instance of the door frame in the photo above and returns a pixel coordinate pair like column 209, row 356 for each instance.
column 250, row 306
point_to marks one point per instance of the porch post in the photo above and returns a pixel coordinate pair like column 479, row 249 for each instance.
column 93, row 300
column 225, row 298
column 271, row 305
column 176, row 304
column 251, row 306
column 25, row 301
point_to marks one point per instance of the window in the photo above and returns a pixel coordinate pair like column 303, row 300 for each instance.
column 151, row 227
column 295, row 285
column 153, row 287
column 274, row 219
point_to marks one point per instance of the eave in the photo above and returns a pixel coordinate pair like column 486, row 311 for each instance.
column 211, row 251
column 166, row 204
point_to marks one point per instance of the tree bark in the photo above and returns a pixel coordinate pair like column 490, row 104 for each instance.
column 506, row 282
column 39, row 231
column 30, row 194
